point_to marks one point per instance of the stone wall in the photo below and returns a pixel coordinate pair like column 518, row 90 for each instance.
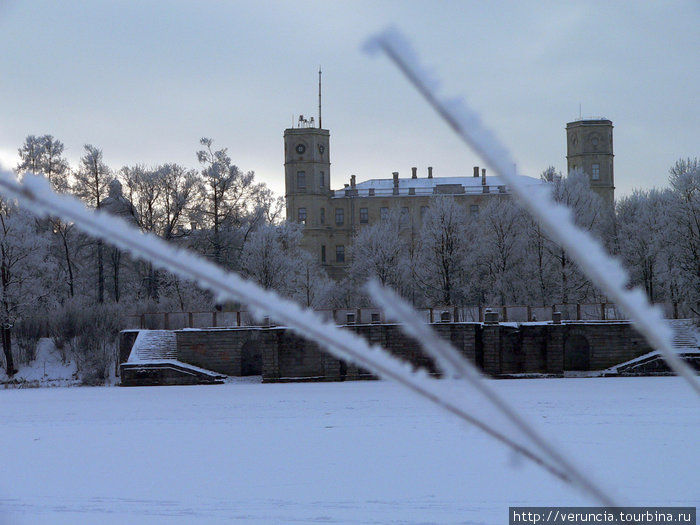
column 500, row 349
column 221, row 350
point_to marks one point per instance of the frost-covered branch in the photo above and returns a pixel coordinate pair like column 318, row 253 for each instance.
column 36, row 194
column 452, row 363
column 585, row 250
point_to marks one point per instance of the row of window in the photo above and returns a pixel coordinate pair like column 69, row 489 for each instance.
column 364, row 214
column 339, row 253
column 301, row 180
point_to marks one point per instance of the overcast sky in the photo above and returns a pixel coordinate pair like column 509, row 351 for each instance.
column 145, row 80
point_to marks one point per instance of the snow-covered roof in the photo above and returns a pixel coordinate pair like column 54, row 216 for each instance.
column 430, row 186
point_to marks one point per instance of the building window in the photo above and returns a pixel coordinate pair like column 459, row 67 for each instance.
column 323, row 253
column 322, row 180
column 322, row 216
column 301, row 215
column 364, row 216
column 474, row 210
column 595, row 171
column 384, row 214
column 301, row 180
column 340, row 253
column 371, row 192
column 423, row 210
column 339, row 216
column 405, row 217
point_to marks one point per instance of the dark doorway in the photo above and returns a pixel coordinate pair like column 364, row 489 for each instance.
column 251, row 359
column 576, row 353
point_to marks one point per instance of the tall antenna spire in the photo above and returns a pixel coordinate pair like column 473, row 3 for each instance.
column 319, row 98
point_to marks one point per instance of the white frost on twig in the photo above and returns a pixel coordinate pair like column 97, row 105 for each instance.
column 584, row 249
column 37, row 195
column 452, row 363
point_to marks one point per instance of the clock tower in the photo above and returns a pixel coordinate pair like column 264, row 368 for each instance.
column 307, row 182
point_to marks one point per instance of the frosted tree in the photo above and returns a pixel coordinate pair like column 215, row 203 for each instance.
column 500, row 245
column 684, row 214
column 380, row 252
column 25, row 272
column 30, row 155
column 44, row 155
column 54, row 165
column 162, row 198
column 642, row 226
column 443, row 248
column 575, row 192
column 271, row 255
column 229, row 205
column 311, row 284
column 177, row 198
column 91, row 184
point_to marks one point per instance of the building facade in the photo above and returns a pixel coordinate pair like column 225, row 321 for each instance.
column 332, row 218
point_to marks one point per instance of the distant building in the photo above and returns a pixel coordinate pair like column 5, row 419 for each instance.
column 332, row 218
column 589, row 146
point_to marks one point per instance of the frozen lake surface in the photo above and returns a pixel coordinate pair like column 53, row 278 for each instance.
column 361, row 452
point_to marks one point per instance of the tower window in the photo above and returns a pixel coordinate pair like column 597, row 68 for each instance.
column 301, row 180
column 323, row 253
column 340, row 253
column 301, row 215
column 384, row 214
column 339, row 216
column 474, row 210
column 595, row 171
column 423, row 209
column 322, row 180
column 364, row 216
column 322, row 216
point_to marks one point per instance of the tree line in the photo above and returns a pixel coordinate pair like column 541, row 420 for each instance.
column 500, row 256
column 51, row 274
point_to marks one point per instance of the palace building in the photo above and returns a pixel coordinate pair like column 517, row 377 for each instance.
column 332, row 218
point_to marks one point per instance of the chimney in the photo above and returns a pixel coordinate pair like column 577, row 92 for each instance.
column 430, row 172
column 483, row 176
column 352, row 181
column 476, row 171
column 414, row 173
column 396, row 182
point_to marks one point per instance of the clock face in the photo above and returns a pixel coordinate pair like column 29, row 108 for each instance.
column 301, row 149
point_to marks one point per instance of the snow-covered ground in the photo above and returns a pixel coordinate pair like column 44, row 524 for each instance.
column 47, row 369
column 361, row 452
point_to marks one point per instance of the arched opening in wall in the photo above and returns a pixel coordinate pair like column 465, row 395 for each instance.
column 251, row 359
column 577, row 353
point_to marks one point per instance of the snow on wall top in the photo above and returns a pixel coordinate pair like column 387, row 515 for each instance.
column 427, row 186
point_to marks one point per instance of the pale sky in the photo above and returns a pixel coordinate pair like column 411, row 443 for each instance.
column 145, row 80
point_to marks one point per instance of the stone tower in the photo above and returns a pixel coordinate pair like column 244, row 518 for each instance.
column 590, row 148
column 307, row 181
